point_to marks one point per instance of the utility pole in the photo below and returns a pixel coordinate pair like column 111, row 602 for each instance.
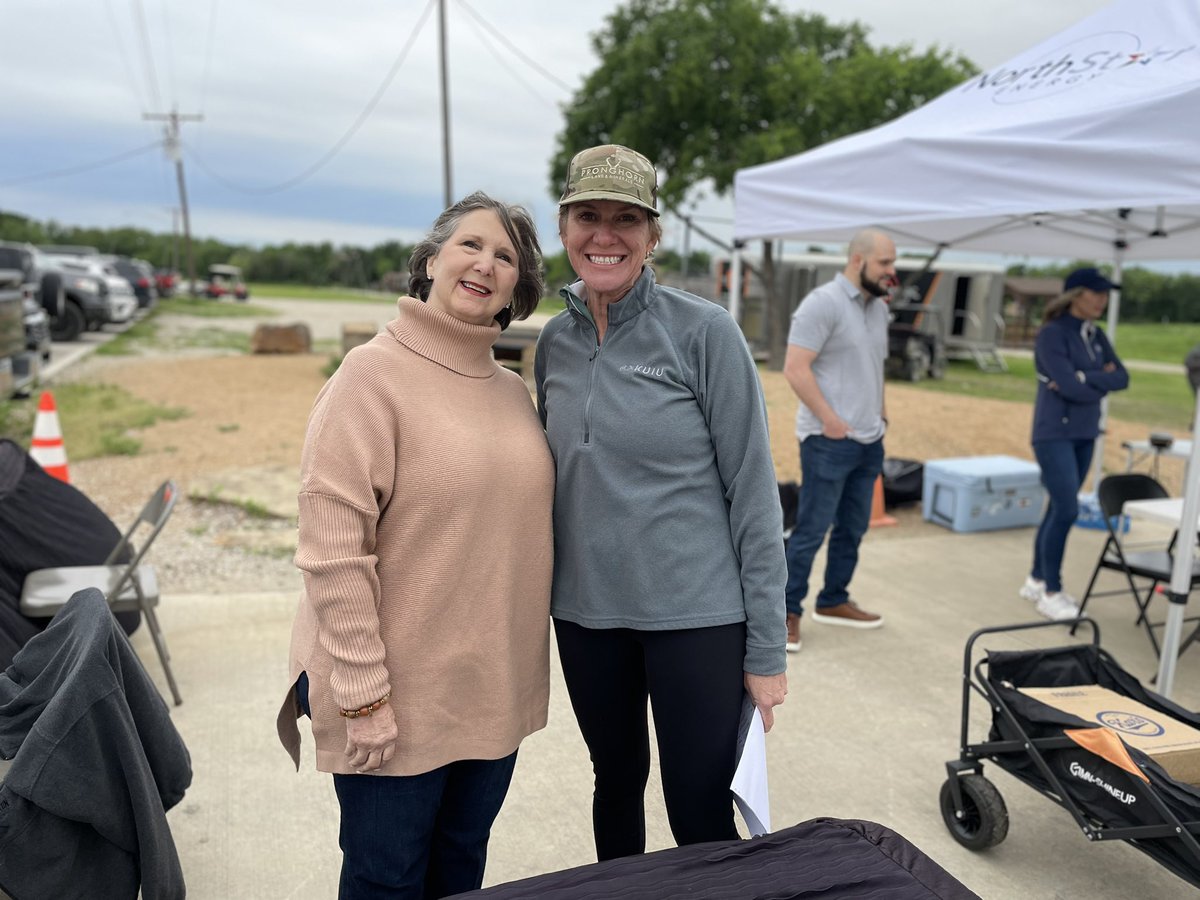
column 171, row 145
column 174, row 238
column 447, row 191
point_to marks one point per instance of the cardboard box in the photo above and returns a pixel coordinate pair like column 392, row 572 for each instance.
column 1172, row 744
column 982, row 493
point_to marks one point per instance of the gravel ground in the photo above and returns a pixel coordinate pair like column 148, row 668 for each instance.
column 247, row 412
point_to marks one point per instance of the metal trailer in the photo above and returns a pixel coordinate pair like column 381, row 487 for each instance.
column 1123, row 795
column 943, row 310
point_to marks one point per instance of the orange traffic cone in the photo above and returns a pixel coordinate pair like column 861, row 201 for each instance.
column 47, row 448
column 878, row 516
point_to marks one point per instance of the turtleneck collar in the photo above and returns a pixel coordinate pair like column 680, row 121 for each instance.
column 439, row 337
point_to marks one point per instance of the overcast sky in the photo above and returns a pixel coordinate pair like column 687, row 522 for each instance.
column 280, row 86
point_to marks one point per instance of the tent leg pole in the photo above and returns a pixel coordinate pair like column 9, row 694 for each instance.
column 1181, row 567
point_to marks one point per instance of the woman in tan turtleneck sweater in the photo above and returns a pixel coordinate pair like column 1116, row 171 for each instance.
column 421, row 646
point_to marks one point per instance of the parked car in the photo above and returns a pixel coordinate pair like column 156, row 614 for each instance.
column 224, row 280
column 37, row 328
column 18, row 366
column 39, row 283
column 140, row 275
column 166, row 281
column 95, row 293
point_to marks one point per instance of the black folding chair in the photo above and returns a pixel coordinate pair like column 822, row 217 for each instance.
column 1152, row 567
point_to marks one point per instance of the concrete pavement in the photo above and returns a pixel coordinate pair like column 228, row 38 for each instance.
column 871, row 718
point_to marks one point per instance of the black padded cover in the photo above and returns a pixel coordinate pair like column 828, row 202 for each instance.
column 44, row 523
column 841, row 858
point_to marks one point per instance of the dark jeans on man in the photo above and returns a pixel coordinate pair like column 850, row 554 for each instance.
column 417, row 837
column 694, row 680
column 1064, row 465
column 836, row 488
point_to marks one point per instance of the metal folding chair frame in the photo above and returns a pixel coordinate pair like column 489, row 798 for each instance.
column 127, row 586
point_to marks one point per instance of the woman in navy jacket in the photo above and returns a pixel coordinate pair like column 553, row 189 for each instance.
column 1076, row 368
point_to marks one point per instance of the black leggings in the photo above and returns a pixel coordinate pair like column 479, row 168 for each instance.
column 694, row 680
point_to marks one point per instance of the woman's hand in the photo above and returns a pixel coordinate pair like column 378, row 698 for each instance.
column 766, row 692
column 371, row 740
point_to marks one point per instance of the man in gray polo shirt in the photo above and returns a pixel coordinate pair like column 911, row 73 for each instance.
column 836, row 349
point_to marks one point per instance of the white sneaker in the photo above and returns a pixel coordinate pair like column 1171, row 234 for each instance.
column 1033, row 589
column 1060, row 606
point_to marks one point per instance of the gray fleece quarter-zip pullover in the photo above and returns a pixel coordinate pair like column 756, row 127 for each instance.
column 666, row 511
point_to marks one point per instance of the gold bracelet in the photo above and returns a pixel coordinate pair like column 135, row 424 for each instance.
column 366, row 710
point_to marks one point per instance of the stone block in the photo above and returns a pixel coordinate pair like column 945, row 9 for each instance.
column 356, row 333
column 294, row 338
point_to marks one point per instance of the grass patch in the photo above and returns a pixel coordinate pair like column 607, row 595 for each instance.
column 225, row 429
column 212, row 309
column 126, row 343
column 213, row 338
column 96, row 419
column 305, row 292
column 1156, row 342
column 1159, row 399
column 250, row 507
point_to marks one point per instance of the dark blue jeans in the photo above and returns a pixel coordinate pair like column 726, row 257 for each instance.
column 417, row 836
column 836, row 488
column 1064, row 465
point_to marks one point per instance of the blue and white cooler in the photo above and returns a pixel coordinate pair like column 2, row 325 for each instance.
column 982, row 493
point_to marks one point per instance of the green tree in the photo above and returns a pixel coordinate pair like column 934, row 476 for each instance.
column 706, row 87
column 558, row 272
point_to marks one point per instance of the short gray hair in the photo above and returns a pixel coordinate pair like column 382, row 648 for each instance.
column 518, row 224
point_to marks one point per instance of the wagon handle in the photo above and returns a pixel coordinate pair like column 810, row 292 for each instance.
column 968, row 684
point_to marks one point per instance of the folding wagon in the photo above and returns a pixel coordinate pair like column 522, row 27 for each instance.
column 1112, row 790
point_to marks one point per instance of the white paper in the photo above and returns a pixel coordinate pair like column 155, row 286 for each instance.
column 750, row 778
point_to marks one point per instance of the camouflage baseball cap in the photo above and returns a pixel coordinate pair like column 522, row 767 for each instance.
column 611, row 172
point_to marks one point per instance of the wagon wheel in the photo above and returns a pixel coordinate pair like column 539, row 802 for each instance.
column 984, row 821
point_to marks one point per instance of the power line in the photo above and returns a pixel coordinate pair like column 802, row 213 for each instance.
column 343, row 140
column 86, row 167
column 212, row 29
column 525, row 58
column 487, row 42
column 147, row 56
column 166, row 24
column 112, row 21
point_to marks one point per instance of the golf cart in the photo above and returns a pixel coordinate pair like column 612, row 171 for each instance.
column 225, row 280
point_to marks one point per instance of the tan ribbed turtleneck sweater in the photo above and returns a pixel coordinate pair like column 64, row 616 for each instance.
column 425, row 542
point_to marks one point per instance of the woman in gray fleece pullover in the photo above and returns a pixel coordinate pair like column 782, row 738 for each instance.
column 669, row 569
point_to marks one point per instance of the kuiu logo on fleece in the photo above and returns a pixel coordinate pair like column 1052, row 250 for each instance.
column 652, row 371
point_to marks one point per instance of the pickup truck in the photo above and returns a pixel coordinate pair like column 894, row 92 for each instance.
column 19, row 366
column 94, row 293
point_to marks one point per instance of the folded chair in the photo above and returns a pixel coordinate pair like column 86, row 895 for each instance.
column 126, row 585
column 1149, row 567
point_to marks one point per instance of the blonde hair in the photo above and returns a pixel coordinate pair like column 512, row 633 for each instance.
column 1061, row 303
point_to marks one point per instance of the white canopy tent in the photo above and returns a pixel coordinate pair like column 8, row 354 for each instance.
column 1087, row 145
